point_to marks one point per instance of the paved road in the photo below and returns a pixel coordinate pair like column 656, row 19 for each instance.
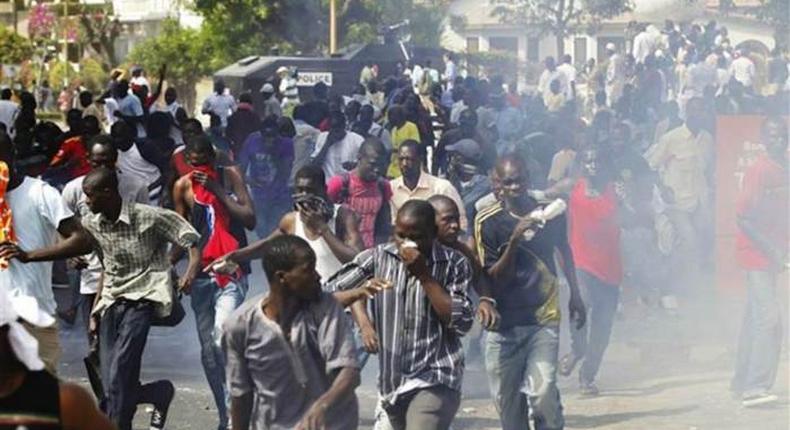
column 660, row 372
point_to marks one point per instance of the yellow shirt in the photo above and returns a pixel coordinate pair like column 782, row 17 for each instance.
column 427, row 186
column 407, row 131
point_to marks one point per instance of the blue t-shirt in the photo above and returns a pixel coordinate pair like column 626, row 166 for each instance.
column 267, row 167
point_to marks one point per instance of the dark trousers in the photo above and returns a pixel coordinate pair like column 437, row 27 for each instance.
column 430, row 408
column 122, row 335
column 591, row 341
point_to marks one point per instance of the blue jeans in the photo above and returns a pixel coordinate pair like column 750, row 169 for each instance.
column 760, row 342
column 521, row 363
column 590, row 342
column 213, row 305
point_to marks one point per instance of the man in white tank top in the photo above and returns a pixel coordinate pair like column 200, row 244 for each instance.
column 331, row 231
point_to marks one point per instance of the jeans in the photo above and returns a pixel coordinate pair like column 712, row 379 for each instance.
column 760, row 342
column 590, row 341
column 269, row 213
column 521, row 363
column 431, row 408
column 123, row 333
column 213, row 305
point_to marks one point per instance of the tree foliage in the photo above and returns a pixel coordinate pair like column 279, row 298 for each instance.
column 185, row 52
column 253, row 27
column 14, row 48
column 561, row 18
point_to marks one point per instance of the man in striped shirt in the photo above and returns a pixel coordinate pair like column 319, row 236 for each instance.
column 419, row 321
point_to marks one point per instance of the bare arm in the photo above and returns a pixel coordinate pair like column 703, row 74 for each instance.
column 75, row 242
column 344, row 384
column 240, row 208
column 575, row 304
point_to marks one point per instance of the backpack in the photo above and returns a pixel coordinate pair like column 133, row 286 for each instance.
column 382, row 228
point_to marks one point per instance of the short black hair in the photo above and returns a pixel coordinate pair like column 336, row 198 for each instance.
column 5, row 94
column 103, row 178
column 102, row 140
column 372, row 143
column 419, row 210
column 278, row 253
column 412, row 144
column 201, row 144
column 86, row 98
column 245, row 97
column 440, row 200
column 311, row 172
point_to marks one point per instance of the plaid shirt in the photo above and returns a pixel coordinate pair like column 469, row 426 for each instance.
column 133, row 252
column 417, row 349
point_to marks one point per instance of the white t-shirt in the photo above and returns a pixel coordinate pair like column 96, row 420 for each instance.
column 546, row 79
column 742, row 69
column 37, row 210
column 568, row 73
column 341, row 152
column 221, row 105
column 133, row 164
column 130, row 189
column 8, row 113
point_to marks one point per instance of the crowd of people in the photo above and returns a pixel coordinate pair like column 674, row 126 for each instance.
column 387, row 222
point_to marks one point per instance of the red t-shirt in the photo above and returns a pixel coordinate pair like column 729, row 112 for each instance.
column 72, row 151
column 364, row 198
column 763, row 199
column 594, row 229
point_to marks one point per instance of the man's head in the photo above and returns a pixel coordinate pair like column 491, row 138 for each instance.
column 774, row 136
column 550, row 64
column 5, row 94
column 448, row 218
column 467, row 122
column 611, row 49
column 136, row 71
column 121, row 89
column 219, row 86
column 86, row 99
column 90, row 126
column 695, row 114
column 591, row 163
column 310, row 179
column 566, row 59
column 74, row 120
column 397, row 115
column 101, row 190
column 289, row 264
column 320, row 90
column 409, row 159
column 512, row 178
column 200, row 152
column 464, row 156
column 371, row 159
column 270, row 130
column 102, row 152
column 416, row 221
column 171, row 95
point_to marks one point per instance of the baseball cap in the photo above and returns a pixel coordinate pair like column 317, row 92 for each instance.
column 267, row 88
column 282, row 69
column 467, row 148
column 611, row 47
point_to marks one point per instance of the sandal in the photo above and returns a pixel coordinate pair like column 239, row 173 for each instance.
column 568, row 363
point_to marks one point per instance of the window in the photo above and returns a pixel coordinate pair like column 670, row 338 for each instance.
column 472, row 44
column 503, row 44
column 533, row 49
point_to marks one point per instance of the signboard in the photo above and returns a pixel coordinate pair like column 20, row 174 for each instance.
column 308, row 79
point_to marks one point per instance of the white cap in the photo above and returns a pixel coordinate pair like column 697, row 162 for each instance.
column 24, row 345
column 267, row 88
column 610, row 47
column 282, row 69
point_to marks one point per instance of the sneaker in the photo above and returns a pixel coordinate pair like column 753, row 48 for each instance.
column 159, row 414
column 758, row 400
column 588, row 389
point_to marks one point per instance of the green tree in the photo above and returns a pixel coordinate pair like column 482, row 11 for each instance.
column 240, row 28
column 14, row 48
column 184, row 51
column 561, row 18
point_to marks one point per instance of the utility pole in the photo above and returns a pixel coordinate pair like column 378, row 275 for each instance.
column 65, row 43
column 16, row 17
column 332, row 28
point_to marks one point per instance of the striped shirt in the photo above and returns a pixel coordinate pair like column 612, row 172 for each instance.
column 416, row 349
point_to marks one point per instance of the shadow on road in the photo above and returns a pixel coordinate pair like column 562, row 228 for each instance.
column 593, row 421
